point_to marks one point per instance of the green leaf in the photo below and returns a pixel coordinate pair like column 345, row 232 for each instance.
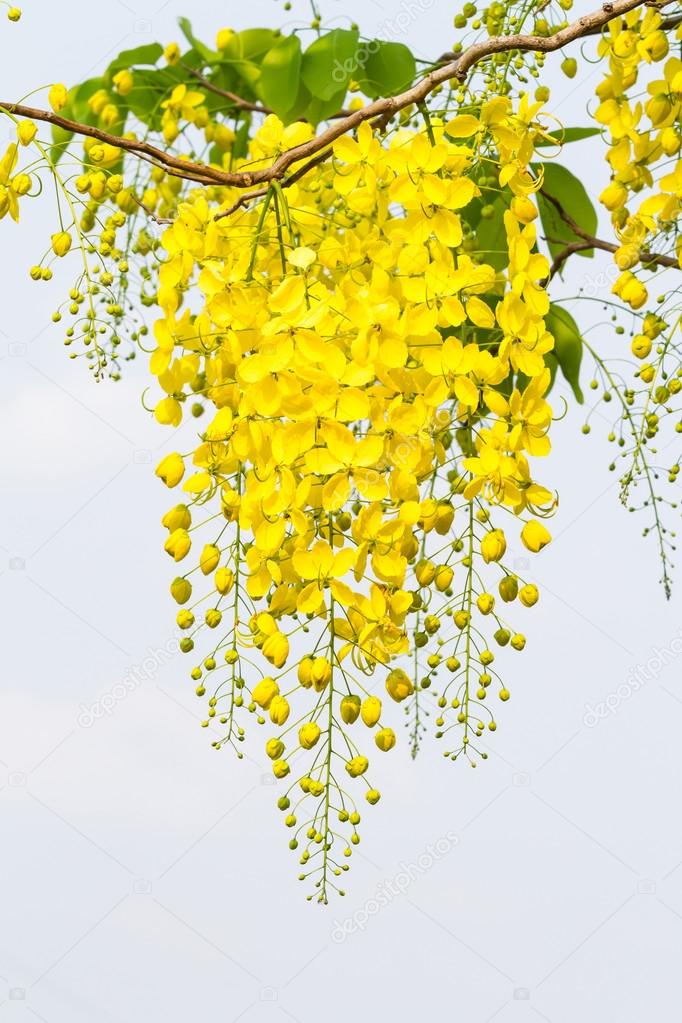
column 251, row 44
column 209, row 55
column 60, row 140
column 330, row 62
column 319, row 109
column 389, row 68
column 148, row 54
column 570, row 192
column 492, row 237
column 280, row 74
column 568, row 346
column 562, row 136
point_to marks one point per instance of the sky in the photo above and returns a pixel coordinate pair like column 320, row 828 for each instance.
column 145, row 877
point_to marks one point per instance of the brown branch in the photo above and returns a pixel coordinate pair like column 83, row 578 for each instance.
column 382, row 109
column 260, row 192
column 237, row 101
column 588, row 241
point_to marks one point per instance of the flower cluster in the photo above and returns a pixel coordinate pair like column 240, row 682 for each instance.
column 375, row 394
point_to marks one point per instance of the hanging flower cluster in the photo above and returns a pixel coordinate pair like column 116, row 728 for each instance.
column 376, row 392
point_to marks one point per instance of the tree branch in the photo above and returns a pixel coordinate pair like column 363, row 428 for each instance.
column 588, row 241
column 382, row 109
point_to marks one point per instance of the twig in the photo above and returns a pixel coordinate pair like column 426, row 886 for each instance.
column 235, row 100
column 151, row 214
column 590, row 242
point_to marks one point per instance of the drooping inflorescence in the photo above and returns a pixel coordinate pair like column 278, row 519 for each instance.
column 366, row 344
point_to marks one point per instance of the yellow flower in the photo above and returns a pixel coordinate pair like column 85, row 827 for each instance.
column 385, row 739
column 264, row 692
column 357, row 766
column 308, row 734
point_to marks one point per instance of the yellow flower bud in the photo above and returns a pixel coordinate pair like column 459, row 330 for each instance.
column 614, row 196
column 320, row 673
column 185, row 619
column 357, row 766
column 181, row 590
column 171, row 469
column 371, row 710
column 61, row 243
column 224, row 580
column 223, row 37
column 213, row 617
column 280, row 768
column 172, row 53
column 372, row 796
column 443, row 577
column 493, row 546
column 178, row 544
column 518, row 641
column 399, row 685
column 350, row 709
column 425, row 572
column 210, row 556
column 274, row 748
column 279, row 710
column 276, row 649
column 57, row 97
column 508, row 588
column 178, row 517
column 485, row 603
column 264, row 692
column 26, row 132
column 22, row 184
column 385, row 739
column 445, row 514
column 14, row 13
column 534, row 536
column 461, row 619
column 641, row 346
column 528, row 595
column 308, row 734
column 123, row 82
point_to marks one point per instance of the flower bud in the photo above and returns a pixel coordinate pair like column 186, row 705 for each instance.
column 279, row 709
column 305, row 672
column 57, row 97
column 61, row 243
column 26, row 132
column 276, row 649
column 371, row 710
column 534, row 536
column 308, row 734
column 280, row 768
column 493, row 546
column 350, row 709
column 224, row 580
column 210, row 556
column 178, row 544
column 399, row 685
column 357, row 766
column 171, row 469
column 372, row 796
column 264, row 692
column 181, row 590
column 528, row 595
column 385, row 739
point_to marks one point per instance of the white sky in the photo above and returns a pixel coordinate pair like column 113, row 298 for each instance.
column 145, row 877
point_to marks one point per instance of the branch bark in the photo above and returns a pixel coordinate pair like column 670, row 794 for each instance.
column 588, row 241
column 381, row 109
